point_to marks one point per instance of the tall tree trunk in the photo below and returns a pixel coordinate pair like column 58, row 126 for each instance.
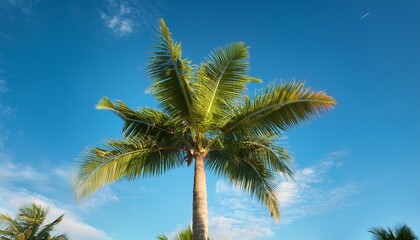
column 200, row 218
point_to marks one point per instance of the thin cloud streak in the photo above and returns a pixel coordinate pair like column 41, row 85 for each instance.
column 367, row 14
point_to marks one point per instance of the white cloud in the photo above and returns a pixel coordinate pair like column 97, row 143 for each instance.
column 13, row 175
column 120, row 21
column 238, row 216
column 239, row 225
column 100, row 198
column 12, row 197
column 11, row 200
column 310, row 192
column 17, row 172
column 123, row 17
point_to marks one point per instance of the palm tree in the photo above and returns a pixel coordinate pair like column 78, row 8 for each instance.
column 204, row 118
column 183, row 234
column 28, row 225
column 401, row 233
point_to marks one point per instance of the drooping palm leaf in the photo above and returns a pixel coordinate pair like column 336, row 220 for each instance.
column 128, row 159
column 147, row 122
column 252, row 166
column 10, row 225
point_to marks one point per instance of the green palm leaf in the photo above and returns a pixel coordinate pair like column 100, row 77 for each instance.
column 129, row 159
column 147, row 122
column 162, row 237
column 60, row 237
column 252, row 166
column 275, row 109
column 44, row 233
column 28, row 225
column 12, row 226
column 171, row 75
column 400, row 233
column 222, row 79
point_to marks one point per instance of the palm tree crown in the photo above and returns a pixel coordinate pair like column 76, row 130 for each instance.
column 28, row 225
column 204, row 118
column 401, row 233
column 182, row 234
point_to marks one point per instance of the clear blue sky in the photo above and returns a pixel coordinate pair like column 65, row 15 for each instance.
column 356, row 168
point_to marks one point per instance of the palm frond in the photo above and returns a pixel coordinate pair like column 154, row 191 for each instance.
column 162, row 237
column 405, row 233
column 147, row 122
column 129, row 159
column 379, row 233
column 140, row 122
column 245, row 170
column 10, row 225
column 274, row 157
column 60, row 237
column 400, row 233
column 171, row 75
column 47, row 229
column 275, row 109
column 222, row 78
column 185, row 234
column 6, row 235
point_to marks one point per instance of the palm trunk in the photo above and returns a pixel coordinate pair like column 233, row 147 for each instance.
column 200, row 218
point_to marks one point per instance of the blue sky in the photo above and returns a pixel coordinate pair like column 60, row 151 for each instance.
column 356, row 168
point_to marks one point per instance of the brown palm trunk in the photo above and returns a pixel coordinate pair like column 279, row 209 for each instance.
column 200, row 218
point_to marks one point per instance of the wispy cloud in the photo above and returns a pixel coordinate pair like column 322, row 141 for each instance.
column 243, row 225
column 237, row 216
column 366, row 14
column 99, row 199
column 119, row 19
column 12, row 197
column 311, row 192
column 5, row 109
column 123, row 17
column 14, row 175
column 72, row 225
column 13, row 172
column 23, row 5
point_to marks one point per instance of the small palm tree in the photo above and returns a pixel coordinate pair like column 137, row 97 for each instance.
column 28, row 225
column 183, row 234
column 204, row 118
column 401, row 233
